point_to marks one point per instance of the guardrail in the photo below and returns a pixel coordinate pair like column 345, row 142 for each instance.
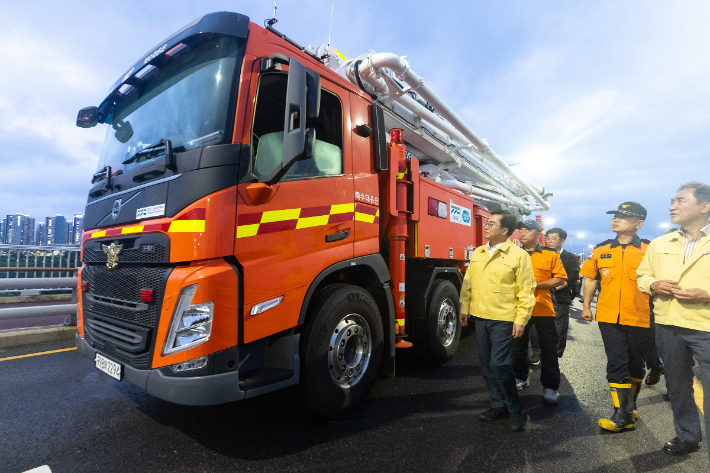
column 42, row 311
column 32, row 261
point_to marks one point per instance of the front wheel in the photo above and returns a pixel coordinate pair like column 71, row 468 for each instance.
column 436, row 338
column 341, row 350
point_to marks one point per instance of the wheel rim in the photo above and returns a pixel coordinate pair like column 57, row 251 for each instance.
column 350, row 350
column 446, row 323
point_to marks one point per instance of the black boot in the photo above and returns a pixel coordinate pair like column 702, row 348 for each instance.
column 623, row 417
column 635, row 388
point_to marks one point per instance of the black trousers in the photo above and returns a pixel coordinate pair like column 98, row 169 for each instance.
column 678, row 346
column 562, row 322
column 649, row 352
column 549, row 363
column 622, row 344
column 495, row 350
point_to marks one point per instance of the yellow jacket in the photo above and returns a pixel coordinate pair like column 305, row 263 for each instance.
column 501, row 287
column 664, row 260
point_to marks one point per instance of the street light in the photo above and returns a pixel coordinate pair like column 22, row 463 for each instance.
column 579, row 235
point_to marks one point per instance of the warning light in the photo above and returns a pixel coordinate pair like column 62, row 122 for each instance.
column 396, row 135
column 146, row 295
column 84, row 286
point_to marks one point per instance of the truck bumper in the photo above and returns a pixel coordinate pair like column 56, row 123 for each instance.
column 191, row 391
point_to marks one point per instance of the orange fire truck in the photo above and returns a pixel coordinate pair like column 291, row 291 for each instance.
column 267, row 215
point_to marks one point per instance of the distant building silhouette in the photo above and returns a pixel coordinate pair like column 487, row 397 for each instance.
column 55, row 230
column 41, row 236
column 19, row 229
column 77, row 229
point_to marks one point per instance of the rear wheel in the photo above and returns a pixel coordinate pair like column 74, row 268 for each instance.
column 341, row 350
column 436, row 338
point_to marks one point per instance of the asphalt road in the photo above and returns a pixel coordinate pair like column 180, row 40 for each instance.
column 58, row 410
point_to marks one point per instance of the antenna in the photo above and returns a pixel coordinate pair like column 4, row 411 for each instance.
column 273, row 19
column 325, row 58
column 330, row 28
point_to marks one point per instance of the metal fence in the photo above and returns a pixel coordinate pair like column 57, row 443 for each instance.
column 41, row 311
column 32, row 270
column 29, row 261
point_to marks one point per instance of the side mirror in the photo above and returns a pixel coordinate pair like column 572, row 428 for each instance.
column 312, row 94
column 294, row 121
column 88, row 117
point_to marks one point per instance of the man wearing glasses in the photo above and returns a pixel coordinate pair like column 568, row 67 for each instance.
column 498, row 291
column 623, row 312
column 564, row 294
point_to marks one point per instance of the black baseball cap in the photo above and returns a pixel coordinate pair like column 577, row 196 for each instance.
column 633, row 209
column 531, row 224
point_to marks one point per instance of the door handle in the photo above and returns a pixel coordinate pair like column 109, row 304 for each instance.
column 337, row 236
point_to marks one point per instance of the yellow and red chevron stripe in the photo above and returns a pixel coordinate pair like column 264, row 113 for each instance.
column 272, row 221
column 192, row 221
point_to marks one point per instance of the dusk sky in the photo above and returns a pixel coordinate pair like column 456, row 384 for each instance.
column 599, row 102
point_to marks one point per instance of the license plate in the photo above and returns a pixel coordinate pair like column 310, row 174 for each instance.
column 109, row 367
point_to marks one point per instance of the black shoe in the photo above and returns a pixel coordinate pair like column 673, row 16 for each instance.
column 517, row 422
column 679, row 447
column 654, row 376
column 493, row 414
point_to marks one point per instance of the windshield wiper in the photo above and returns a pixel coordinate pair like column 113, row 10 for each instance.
column 151, row 149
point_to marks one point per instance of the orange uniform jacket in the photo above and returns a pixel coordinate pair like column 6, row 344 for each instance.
column 620, row 300
column 547, row 265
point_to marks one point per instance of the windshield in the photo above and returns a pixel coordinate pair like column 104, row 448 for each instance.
column 185, row 99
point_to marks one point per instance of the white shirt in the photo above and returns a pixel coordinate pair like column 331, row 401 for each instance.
column 492, row 249
column 691, row 242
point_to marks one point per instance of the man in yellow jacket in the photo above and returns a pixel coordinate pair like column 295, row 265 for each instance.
column 499, row 292
column 676, row 272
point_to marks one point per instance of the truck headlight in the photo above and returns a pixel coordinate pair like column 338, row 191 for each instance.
column 191, row 324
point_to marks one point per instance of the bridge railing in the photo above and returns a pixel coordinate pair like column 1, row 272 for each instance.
column 70, row 310
column 31, row 269
column 31, row 261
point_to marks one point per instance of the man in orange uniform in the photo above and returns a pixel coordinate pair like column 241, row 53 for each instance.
column 623, row 312
column 549, row 273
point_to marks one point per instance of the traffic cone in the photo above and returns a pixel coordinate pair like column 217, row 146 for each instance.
column 623, row 417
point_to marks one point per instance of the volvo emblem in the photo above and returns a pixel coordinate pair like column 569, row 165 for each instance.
column 112, row 252
column 116, row 209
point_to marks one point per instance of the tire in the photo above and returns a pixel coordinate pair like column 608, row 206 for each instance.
column 344, row 330
column 436, row 339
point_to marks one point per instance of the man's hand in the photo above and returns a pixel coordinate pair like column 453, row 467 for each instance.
column 562, row 286
column 587, row 314
column 464, row 319
column 691, row 296
column 518, row 330
column 665, row 287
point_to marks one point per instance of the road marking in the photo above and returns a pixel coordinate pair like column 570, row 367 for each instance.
column 42, row 353
column 698, row 390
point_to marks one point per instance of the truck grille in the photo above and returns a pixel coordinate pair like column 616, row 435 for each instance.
column 140, row 249
column 116, row 321
column 124, row 284
column 135, row 255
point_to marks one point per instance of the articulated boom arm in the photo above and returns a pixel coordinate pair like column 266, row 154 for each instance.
column 449, row 150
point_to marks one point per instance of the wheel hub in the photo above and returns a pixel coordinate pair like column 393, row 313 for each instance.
column 349, row 350
column 446, row 322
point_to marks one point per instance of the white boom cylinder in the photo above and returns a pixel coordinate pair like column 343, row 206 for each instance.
column 369, row 72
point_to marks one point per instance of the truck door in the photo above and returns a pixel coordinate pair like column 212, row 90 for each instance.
column 307, row 226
